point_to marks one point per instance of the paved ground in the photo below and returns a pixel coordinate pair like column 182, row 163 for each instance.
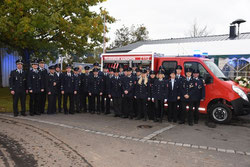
column 105, row 141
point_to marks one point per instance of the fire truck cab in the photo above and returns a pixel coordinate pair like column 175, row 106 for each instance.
column 224, row 97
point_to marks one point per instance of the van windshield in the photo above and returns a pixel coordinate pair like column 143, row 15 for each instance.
column 215, row 70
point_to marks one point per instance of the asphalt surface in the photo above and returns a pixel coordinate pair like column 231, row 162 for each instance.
column 105, row 141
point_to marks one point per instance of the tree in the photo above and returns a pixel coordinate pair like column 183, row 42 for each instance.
column 126, row 35
column 51, row 27
column 197, row 31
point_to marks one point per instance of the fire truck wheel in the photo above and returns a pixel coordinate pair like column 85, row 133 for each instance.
column 220, row 113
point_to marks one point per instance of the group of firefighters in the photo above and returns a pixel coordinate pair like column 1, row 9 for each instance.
column 135, row 92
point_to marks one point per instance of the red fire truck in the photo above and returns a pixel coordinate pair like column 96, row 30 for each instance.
column 224, row 98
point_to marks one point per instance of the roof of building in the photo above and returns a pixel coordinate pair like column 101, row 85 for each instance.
column 210, row 38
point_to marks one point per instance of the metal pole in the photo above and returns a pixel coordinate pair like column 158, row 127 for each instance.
column 104, row 34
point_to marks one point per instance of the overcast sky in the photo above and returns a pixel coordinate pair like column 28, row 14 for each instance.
column 173, row 18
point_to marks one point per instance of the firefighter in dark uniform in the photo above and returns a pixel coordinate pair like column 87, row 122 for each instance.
column 128, row 91
column 179, row 78
column 151, row 105
column 142, row 90
column 172, row 96
column 58, row 75
column 85, row 87
column 95, row 91
column 80, row 89
column 115, row 92
column 36, row 87
column 18, row 87
column 105, row 107
column 108, row 99
column 159, row 96
column 44, row 73
column 199, row 94
column 69, row 89
column 51, row 88
column 137, row 77
column 134, row 67
column 77, row 96
column 187, row 92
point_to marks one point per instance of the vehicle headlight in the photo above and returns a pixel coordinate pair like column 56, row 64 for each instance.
column 240, row 92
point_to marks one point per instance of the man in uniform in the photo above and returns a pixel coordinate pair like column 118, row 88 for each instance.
column 58, row 75
column 179, row 79
column 199, row 94
column 95, row 91
column 44, row 73
column 18, row 87
column 104, row 97
column 85, row 87
column 128, row 91
column 151, row 106
column 36, row 87
column 115, row 92
column 187, row 92
column 51, row 88
column 69, row 89
column 77, row 96
column 172, row 96
column 159, row 96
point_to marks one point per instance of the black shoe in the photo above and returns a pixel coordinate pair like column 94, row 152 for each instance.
column 66, row 113
column 169, row 120
column 124, row 116
column 174, row 121
column 137, row 118
column 31, row 114
column 24, row 114
column 155, row 120
column 130, row 117
column 181, row 122
column 195, row 122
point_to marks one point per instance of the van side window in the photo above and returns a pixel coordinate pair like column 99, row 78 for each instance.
column 195, row 65
column 168, row 66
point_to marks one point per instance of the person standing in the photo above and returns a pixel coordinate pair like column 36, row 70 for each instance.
column 187, row 91
column 115, row 92
column 36, row 87
column 179, row 79
column 69, row 89
column 159, row 96
column 128, row 91
column 43, row 73
column 51, row 88
column 151, row 105
column 58, row 75
column 95, row 91
column 18, row 88
column 77, row 96
column 85, row 86
column 105, row 102
column 172, row 96
column 199, row 94
column 142, row 90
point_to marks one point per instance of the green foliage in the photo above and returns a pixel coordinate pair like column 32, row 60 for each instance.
column 49, row 27
column 126, row 35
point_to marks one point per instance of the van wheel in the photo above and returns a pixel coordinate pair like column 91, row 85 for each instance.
column 220, row 113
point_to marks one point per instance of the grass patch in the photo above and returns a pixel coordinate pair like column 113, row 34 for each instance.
column 6, row 101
